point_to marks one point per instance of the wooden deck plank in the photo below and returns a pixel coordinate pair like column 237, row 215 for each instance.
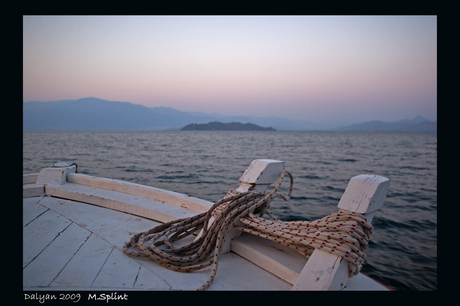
column 102, row 222
column 39, row 233
column 147, row 280
column 362, row 282
column 121, row 271
column 83, row 268
column 234, row 273
column 31, row 209
column 113, row 226
column 173, row 279
column 47, row 265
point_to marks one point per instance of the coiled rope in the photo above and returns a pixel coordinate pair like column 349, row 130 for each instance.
column 345, row 233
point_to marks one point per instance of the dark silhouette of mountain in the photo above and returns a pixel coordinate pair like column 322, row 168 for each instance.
column 219, row 126
column 85, row 114
column 417, row 124
column 93, row 114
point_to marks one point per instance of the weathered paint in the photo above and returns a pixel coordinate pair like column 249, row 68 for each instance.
column 365, row 194
column 33, row 190
column 173, row 198
column 262, row 173
column 29, row 178
column 55, row 175
column 139, row 206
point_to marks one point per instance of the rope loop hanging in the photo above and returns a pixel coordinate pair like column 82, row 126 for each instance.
column 345, row 233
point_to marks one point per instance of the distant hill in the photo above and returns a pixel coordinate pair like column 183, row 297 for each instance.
column 417, row 124
column 219, row 126
column 93, row 114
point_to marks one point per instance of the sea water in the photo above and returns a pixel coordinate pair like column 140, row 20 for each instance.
column 206, row 164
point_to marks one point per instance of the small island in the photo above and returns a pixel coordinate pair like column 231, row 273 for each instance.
column 219, row 126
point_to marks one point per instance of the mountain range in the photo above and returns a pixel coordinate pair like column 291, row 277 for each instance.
column 94, row 114
column 417, row 124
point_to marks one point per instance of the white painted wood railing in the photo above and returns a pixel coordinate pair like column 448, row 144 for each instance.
column 323, row 271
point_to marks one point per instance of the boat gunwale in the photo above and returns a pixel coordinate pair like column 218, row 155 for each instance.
column 153, row 193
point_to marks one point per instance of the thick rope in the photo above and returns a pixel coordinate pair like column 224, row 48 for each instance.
column 345, row 233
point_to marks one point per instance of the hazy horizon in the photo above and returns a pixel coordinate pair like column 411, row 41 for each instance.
column 343, row 69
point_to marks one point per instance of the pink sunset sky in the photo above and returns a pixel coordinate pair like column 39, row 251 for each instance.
column 342, row 69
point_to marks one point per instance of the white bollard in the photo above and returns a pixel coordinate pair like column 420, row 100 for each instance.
column 257, row 177
column 325, row 271
column 56, row 174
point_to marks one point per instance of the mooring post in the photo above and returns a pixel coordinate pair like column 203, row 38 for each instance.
column 257, row 177
column 365, row 194
column 56, row 174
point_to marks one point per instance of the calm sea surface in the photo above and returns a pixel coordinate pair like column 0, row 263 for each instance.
column 204, row 164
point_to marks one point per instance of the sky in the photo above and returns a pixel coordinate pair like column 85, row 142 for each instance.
column 328, row 69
